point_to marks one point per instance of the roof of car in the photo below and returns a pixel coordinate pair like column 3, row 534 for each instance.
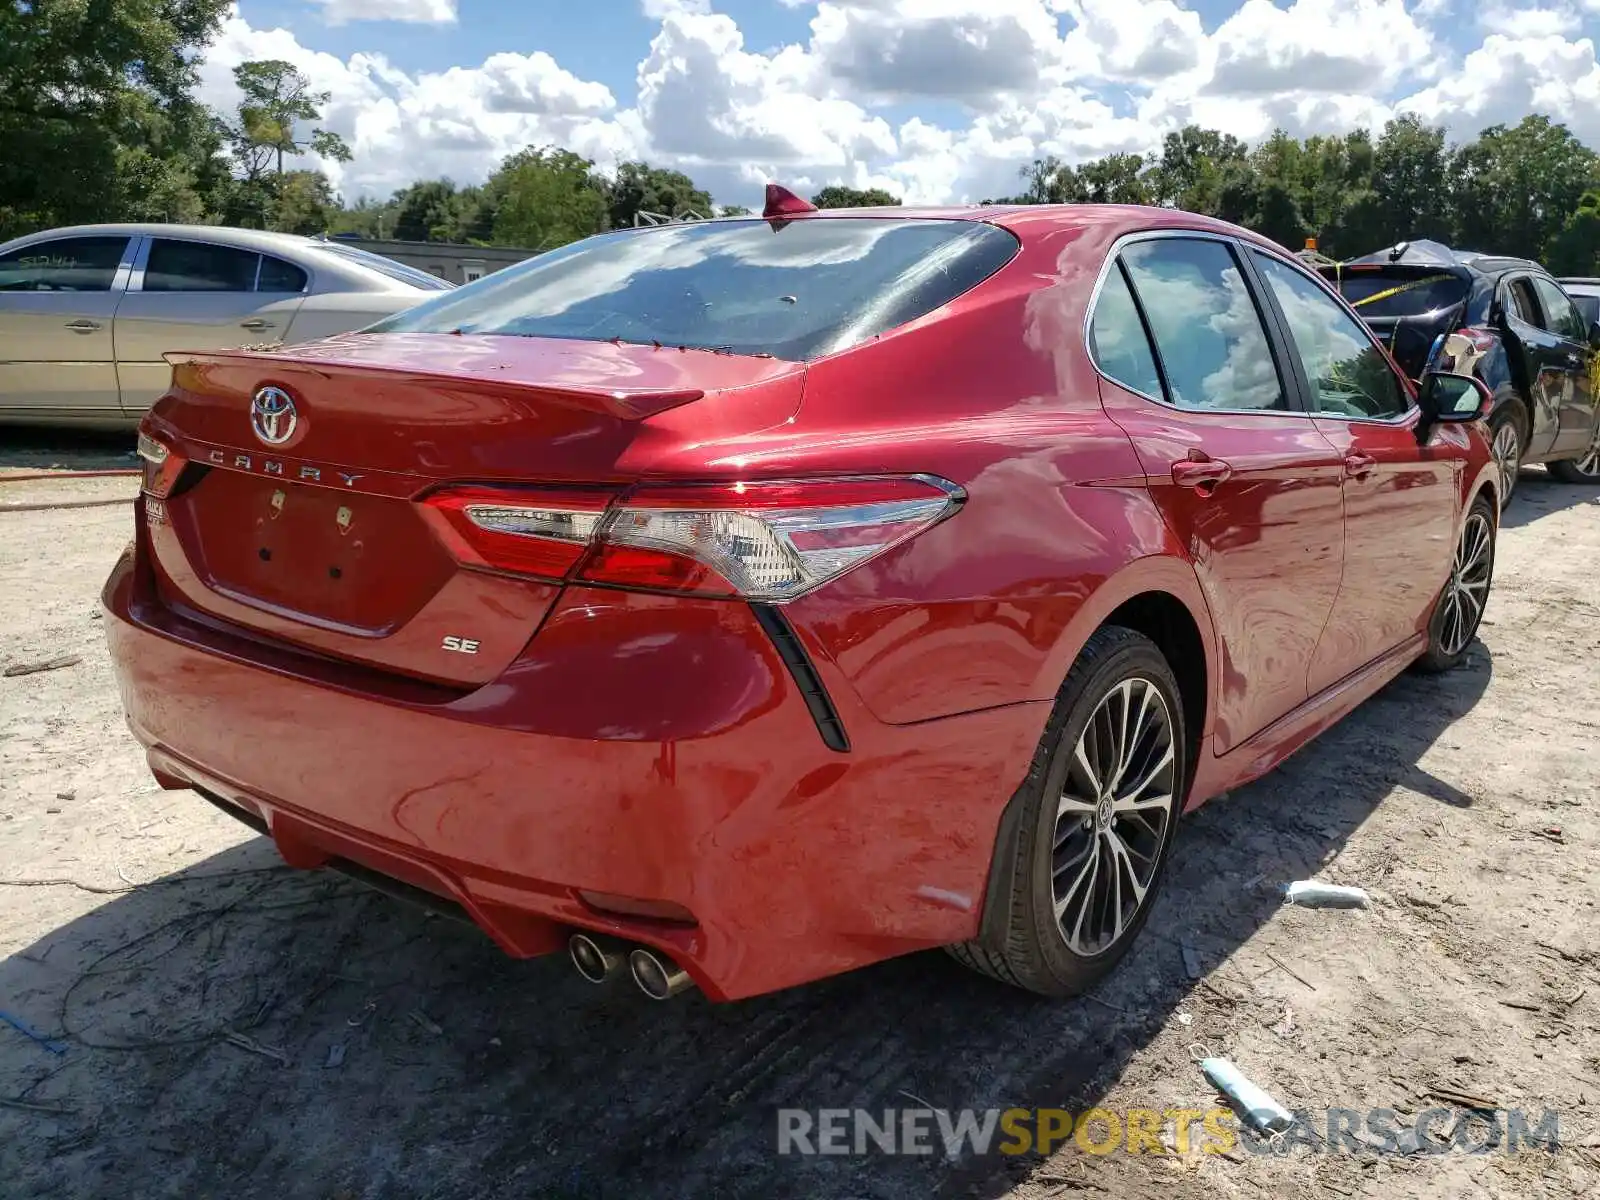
column 1424, row 252
column 254, row 239
column 1023, row 216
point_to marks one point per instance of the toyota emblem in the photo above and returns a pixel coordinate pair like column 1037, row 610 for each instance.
column 272, row 416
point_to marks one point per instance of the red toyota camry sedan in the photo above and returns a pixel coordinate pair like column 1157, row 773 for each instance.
column 740, row 602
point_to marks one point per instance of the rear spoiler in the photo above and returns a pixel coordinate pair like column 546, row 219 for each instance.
column 625, row 404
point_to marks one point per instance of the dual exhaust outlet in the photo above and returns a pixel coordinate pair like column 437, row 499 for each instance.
column 598, row 958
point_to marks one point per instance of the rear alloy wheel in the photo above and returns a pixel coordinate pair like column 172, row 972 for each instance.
column 1586, row 467
column 1084, row 843
column 1460, row 607
column 1507, row 448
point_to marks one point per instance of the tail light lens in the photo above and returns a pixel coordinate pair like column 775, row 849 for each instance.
column 162, row 466
column 526, row 532
column 760, row 541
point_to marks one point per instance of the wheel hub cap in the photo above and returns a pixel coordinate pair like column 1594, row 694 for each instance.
column 1112, row 816
column 1468, row 589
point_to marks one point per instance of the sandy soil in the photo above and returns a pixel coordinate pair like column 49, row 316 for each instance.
column 406, row 1058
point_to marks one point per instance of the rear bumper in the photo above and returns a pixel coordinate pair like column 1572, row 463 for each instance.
column 643, row 747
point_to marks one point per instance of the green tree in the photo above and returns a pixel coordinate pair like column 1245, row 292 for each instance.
column 304, row 203
column 1190, row 170
column 1515, row 188
column 837, row 196
column 1576, row 250
column 277, row 97
column 547, row 198
column 97, row 120
column 1116, row 179
column 638, row 187
column 428, row 211
column 1410, row 190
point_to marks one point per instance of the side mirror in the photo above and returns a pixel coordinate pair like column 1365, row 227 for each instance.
column 1450, row 399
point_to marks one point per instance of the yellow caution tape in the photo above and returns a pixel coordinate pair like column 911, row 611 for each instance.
column 1395, row 291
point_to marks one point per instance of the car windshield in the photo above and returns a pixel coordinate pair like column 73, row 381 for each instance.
column 792, row 290
column 1398, row 293
column 387, row 266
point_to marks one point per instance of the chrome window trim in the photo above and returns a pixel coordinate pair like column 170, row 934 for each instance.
column 136, row 269
column 1292, row 264
column 1109, row 264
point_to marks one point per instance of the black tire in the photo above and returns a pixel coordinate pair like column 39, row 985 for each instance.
column 1448, row 643
column 1583, row 469
column 1021, row 940
column 1508, row 418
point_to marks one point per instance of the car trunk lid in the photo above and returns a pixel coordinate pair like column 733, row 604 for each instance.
column 313, row 530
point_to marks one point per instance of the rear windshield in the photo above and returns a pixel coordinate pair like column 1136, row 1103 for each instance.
column 387, row 266
column 806, row 288
column 1398, row 293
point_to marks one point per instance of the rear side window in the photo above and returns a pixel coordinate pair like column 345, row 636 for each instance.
column 86, row 264
column 175, row 266
column 385, row 266
column 1207, row 329
column 1117, row 338
column 807, row 288
column 1560, row 317
column 1399, row 293
column 279, row 276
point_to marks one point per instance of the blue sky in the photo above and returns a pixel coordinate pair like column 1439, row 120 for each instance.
column 937, row 100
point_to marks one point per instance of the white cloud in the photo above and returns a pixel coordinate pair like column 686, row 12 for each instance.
column 657, row 10
column 419, row 12
column 1530, row 22
column 706, row 101
column 1331, row 46
column 460, row 122
column 972, row 50
column 936, row 100
column 1507, row 78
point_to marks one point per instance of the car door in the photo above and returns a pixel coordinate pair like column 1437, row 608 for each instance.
column 57, row 300
column 1240, row 474
column 1543, row 359
column 1561, row 319
column 1400, row 499
column 188, row 294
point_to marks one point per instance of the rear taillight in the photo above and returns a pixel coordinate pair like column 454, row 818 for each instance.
column 527, row 532
column 162, row 466
column 760, row 541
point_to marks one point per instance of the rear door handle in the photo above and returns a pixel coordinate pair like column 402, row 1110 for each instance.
column 255, row 323
column 83, row 326
column 1202, row 476
column 1359, row 465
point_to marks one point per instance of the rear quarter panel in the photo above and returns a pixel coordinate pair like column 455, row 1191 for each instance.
column 996, row 394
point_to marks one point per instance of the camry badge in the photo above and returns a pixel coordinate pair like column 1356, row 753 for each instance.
column 273, row 416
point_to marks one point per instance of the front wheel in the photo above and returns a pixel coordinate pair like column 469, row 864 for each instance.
column 1505, row 433
column 1586, row 467
column 1459, row 609
column 1083, row 845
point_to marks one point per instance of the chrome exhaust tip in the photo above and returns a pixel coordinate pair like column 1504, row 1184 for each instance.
column 658, row 977
column 597, row 957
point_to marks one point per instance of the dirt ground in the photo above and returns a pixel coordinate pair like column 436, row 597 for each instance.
column 384, row 1053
